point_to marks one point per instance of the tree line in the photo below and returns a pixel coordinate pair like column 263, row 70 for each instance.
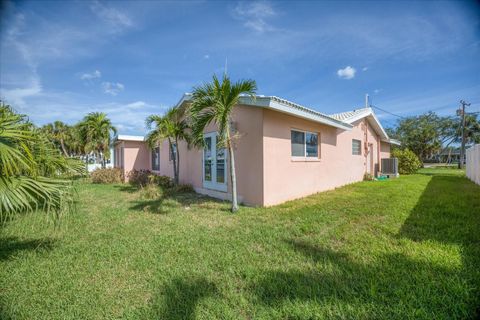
column 429, row 134
column 91, row 135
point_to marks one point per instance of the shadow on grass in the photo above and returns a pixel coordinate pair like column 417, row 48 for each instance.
column 126, row 188
column 448, row 212
column 393, row 286
column 180, row 298
column 12, row 245
column 171, row 201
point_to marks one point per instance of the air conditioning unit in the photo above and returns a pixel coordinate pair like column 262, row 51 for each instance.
column 390, row 167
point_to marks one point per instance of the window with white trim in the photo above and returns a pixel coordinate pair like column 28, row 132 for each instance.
column 356, row 147
column 304, row 144
column 156, row 159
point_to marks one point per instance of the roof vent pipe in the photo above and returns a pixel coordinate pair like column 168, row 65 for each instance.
column 366, row 100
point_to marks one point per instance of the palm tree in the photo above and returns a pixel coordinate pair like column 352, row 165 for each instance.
column 29, row 169
column 214, row 103
column 173, row 127
column 95, row 131
column 58, row 132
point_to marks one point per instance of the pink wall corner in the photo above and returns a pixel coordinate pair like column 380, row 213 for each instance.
column 136, row 155
column 248, row 157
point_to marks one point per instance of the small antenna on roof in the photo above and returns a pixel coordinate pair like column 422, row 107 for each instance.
column 226, row 64
column 366, row 100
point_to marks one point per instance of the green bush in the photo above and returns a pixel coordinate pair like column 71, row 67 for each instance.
column 107, row 175
column 182, row 188
column 142, row 178
column 162, row 181
column 151, row 191
column 139, row 178
column 408, row 161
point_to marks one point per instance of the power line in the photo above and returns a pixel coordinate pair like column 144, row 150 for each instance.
column 391, row 113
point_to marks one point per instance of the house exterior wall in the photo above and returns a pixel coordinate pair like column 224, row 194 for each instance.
column 248, row 159
column 286, row 178
column 136, row 155
column 266, row 172
column 384, row 150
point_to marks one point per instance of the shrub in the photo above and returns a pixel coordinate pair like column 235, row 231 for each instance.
column 162, row 181
column 183, row 188
column 151, row 191
column 107, row 175
column 142, row 178
column 139, row 178
column 408, row 161
column 368, row 177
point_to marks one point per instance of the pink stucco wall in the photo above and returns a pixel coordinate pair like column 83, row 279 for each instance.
column 384, row 150
column 248, row 158
column 266, row 172
column 136, row 155
column 287, row 178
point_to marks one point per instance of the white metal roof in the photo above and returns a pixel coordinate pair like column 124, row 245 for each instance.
column 123, row 137
column 341, row 120
column 285, row 106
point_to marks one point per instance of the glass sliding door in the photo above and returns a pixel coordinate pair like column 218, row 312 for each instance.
column 207, row 160
column 214, row 164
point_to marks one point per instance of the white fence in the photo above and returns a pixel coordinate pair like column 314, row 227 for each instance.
column 473, row 163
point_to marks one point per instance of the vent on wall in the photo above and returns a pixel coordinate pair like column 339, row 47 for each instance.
column 390, row 166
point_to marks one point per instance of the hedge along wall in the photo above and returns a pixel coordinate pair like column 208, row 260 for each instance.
column 473, row 163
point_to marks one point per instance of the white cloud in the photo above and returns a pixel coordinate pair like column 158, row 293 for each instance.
column 206, row 56
column 90, row 76
column 377, row 91
column 364, row 68
column 346, row 73
column 17, row 96
column 112, row 88
column 255, row 14
column 116, row 19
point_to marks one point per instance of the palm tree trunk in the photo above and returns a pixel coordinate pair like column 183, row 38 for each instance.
column 175, row 178
column 62, row 144
column 177, row 154
column 233, row 176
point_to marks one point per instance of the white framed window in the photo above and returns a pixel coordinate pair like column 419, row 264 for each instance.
column 156, row 159
column 304, row 144
column 356, row 147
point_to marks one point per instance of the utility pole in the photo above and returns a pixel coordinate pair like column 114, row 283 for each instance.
column 462, row 148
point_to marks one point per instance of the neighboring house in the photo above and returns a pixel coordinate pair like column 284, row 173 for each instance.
column 283, row 151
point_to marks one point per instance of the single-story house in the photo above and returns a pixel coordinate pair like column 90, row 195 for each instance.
column 283, row 151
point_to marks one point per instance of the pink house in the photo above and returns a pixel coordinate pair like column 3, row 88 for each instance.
column 284, row 151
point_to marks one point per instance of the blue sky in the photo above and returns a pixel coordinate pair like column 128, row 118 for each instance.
column 60, row 60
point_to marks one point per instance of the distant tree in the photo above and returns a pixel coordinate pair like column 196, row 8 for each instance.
column 214, row 103
column 472, row 129
column 173, row 127
column 95, row 131
column 423, row 134
column 58, row 132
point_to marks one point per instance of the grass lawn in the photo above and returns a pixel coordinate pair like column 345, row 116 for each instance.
column 405, row 248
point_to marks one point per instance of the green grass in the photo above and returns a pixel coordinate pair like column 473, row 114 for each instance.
column 398, row 249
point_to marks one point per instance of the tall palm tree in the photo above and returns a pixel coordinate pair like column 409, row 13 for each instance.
column 57, row 132
column 173, row 127
column 29, row 168
column 61, row 131
column 214, row 103
column 95, row 130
